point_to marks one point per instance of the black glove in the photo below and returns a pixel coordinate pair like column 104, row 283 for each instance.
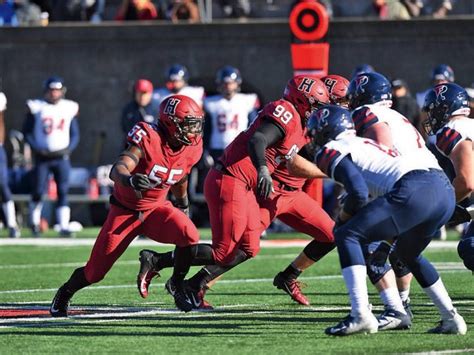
column 140, row 182
column 460, row 215
column 182, row 204
column 264, row 182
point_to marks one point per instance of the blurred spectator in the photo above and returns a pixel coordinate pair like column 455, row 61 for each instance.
column 391, row 10
column 236, row 8
column 132, row 10
column 183, row 10
column 413, row 7
column 228, row 113
column 73, row 10
column 141, row 107
column 7, row 13
column 28, row 13
column 436, row 8
column 440, row 74
column 177, row 77
column 403, row 102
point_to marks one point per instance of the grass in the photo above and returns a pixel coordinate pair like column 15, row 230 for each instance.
column 250, row 315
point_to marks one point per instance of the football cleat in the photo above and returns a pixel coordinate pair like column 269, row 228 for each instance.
column 391, row 319
column 199, row 301
column 14, row 232
column 147, row 271
column 183, row 299
column 291, row 287
column 60, row 303
column 36, row 231
column 407, row 306
column 66, row 233
column 366, row 323
column 453, row 325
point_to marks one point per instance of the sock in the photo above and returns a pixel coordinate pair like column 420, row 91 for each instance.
column 201, row 279
column 404, row 294
column 76, row 281
column 164, row 260
column 10, row 215
column 391, row 299
column 63, row 216
column 354, row 277
column 439, row 296
column 182, row 263
column 35, row 208
column 291, row 272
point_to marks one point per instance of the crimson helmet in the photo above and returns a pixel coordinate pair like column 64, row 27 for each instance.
column 337, row 88
column 181, row 116
column 306, row 93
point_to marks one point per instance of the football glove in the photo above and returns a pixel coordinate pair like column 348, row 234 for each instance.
column 460, row 215
column 264, row 182
column 140, row 182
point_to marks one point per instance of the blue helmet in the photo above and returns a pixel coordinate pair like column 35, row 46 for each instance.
column 362, row 68
column 177, row 72
column 368, row 88
column 327, row 122
column 442, row 72
column 54, row 82
column 466, row 250
column 228, row 73
column 442, row 102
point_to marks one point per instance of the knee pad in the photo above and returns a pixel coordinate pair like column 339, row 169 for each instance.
column 466, row 252
column 399, row 267
column 316, row 250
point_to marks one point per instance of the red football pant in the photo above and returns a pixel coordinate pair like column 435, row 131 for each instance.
column 234, row 216
column 164, row 224
column 298, row 210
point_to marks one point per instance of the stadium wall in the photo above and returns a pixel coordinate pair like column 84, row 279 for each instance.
column 99, row 62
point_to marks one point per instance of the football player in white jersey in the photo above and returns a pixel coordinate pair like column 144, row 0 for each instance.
column 8, row 205
column 177, row 77
column 411, row 201
column 447, row 108
column 52, row 131
column 228, row 113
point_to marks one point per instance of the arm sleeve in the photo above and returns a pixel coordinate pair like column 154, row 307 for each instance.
column 357, row 191
column 74, row 135
column 28, row 129
column 266, row 134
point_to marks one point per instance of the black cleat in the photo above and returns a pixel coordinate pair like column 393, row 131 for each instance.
column 60, row 304
column 147, row 271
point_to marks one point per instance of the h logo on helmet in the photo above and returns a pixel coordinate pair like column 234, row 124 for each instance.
column 306, row 85
column 440, row 90
column 171, row 105
column 360, row 83
column 330, row 84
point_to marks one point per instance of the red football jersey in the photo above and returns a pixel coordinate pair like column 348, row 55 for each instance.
column 160, row 163
column 281, row 112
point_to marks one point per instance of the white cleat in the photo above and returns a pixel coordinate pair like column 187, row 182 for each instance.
column 364, row 323
column 453, row 325
column 391, row 319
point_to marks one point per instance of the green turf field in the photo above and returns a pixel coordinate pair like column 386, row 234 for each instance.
column 250, row 315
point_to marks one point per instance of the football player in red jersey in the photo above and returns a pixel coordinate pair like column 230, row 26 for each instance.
column 242, row 179
column 158, row 159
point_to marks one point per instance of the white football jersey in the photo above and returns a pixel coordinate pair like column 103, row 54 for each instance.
column 406, row 138
column 380, row 166
column 3, row 102
column 453, row 133
column 228, row 117
column 196, row 93
column 52, row 122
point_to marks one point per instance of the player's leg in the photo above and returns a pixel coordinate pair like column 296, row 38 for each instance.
column 8, row 205
column 61, row 171
column 40, row 179
column 466, row 247
column 118, row 231
column 304, row 214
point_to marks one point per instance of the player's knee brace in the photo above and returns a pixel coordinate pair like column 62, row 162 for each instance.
column 316, row 250
column 399, row 267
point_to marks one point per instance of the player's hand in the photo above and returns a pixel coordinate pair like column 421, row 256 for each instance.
column 140, row 182
column 182, row 204
column 264, row 182
column 460, row 215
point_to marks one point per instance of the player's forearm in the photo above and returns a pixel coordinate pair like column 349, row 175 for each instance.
column 256, row 149
column 300, row 167
column 120, row 174
column 463, row 188
column 180, row 189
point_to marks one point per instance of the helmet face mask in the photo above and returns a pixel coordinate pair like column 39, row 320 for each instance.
column 182, row 120
column 441, row 103
column 228, row 80
column 54, row 89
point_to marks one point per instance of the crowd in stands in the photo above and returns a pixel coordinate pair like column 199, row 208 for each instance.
column 42, row 12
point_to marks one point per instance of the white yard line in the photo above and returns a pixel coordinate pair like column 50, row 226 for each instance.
column 439, row 352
